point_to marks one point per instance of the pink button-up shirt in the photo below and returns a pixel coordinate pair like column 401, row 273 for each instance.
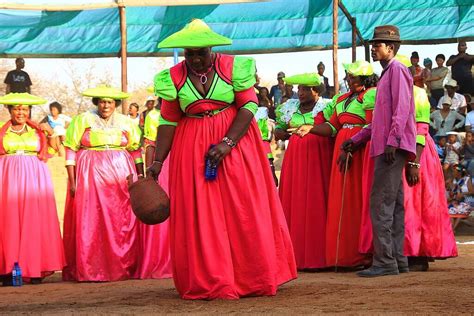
column 393, row 121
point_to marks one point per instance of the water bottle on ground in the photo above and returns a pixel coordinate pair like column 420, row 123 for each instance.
column 16, row 275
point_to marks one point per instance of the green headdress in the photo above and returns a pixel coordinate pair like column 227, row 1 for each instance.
column 105, row 92
column 196, row 34
column 359, row 68
column 21, row 99
column 404, row 60
column 308, row 79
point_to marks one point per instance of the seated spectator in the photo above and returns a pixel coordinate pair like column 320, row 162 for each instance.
column 461, row 68
column 17, row 80
column 461, row 197
column 59, row 123
column 289, row 93
column 467, row 152
column 416, row 70
column 277, row 91
column 470, row 114
column 452, row 154
column 446, row 120
column 458, row 100
column 264, row 100
column 441, row 148
column 437, row 78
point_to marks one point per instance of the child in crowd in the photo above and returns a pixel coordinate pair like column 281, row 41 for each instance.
column 468, row 153
column 441, row 148
column 452, row 153
column 461, row 196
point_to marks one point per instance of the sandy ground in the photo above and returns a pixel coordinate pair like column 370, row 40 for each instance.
column 446, row 288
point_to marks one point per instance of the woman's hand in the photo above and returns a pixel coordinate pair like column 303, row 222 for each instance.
column 281, row 134
column 301, row 131
column 217, row 153
column 342, row 160
column 154, row 170
column 412, row 175
column 45, row 127
column 72, row 187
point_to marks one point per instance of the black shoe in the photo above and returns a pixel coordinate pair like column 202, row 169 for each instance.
column 373, row 272
column 403, row 270
column 422, row 267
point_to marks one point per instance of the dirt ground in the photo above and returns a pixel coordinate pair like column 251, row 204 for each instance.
column 447, row 288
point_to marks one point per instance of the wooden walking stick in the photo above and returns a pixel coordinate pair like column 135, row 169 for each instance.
column 349, row 156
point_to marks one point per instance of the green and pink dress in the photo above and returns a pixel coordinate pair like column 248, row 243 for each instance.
column 101, row 233
column 29, row 226
column 304, row 182
column 229, row 237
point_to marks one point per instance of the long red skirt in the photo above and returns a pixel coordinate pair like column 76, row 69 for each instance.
column 229, row 237
column 346, row 253
column 304, row 188
column 29, row 226
column 101, row 235
column 428, row 230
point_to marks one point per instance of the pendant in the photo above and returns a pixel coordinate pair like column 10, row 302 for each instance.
column 203, row 79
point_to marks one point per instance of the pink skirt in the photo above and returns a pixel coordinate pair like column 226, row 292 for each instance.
column 428, row 230
column 101, row 233
column 29, row 226
column 155, row 242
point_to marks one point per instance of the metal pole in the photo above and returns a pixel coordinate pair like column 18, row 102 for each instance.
column 354, row 39
column 175, row 56
column 123, row 54
column 335, row 45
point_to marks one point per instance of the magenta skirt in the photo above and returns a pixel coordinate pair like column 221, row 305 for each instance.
column 29, row 226
column 101, row 233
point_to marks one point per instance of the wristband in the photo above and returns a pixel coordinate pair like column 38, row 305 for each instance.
column 157, row 161
column 414, row 164
column 229, row 142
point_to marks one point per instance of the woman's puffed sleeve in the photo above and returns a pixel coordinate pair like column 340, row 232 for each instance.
column 369, row 99
column 164, row 86
column 170, row 110
column 422, row 114
column 243, row 80
column 74, row 134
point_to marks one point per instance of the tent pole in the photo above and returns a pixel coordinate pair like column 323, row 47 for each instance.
column 367, row 51
column 123, row 53
column 335, row 8
column 354, row 39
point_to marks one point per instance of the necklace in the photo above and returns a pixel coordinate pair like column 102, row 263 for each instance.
column 21, row 130
column 202, row 76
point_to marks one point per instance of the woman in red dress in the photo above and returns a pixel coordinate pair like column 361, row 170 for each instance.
column 228, row 236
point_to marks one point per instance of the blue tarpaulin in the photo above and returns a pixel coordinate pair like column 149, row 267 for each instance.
column 262, row 27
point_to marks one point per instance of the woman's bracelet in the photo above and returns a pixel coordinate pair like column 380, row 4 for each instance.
column 229, row 142
column 414, row 164
column 157, row 161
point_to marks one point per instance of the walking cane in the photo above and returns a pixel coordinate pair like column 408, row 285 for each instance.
column 349, row 156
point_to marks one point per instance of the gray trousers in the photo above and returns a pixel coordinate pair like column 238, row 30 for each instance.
column 388, row 213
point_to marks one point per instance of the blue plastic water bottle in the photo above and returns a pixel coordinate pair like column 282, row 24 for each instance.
column 210, row 171
column 17, row 280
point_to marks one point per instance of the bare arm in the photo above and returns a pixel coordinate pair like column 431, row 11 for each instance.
column 71, row 175
column 164, row 139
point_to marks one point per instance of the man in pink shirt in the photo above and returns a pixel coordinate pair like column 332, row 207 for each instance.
column 393, row 136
